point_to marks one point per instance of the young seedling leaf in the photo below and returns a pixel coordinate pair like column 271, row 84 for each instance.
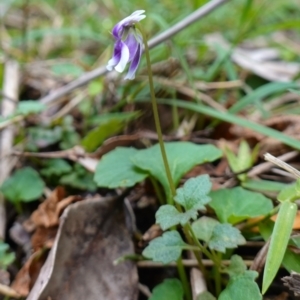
column 116, row 169
column 290, row 193
column 56, row 167
column 169, row 289
column 225, row 236
column 237, row 204
column 30, row 107
column 204, row 227
column 98, row 135
column 6, row 258
column 166, row 248
column 79, row 178
column 24, row 185
column 182, row 157
column 242, row 287
column 168, row 216
column 279, row 241
column 242, row 161
column 193, row 195
column 236, row 267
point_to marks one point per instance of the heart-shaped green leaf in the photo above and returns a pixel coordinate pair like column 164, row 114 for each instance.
column 170, row 289
column 116, row 169
column 182, row 157
column 237, row 204
column 24, row 185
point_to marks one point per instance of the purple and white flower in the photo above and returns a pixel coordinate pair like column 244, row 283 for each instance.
column 128, row 46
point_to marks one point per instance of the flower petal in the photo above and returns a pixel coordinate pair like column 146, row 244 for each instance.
column 135, row 63
column 124, row 59
column 132, row 43
column 116, row 56
column 135, row 17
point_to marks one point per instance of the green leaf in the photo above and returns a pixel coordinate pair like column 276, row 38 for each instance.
column 98, row 135
column 39, row 137
column 225, row 236
column 193, row 195
column 182, row 157
column 169, row 289
column 166, row 248
column 218, row 236
column 104, row 118
column 242, row 161
column 168, row 216
column 204, row 227
column 242, row 287
column 291, row 259
column 95, row 87
column 80, row 178
column 6, row 258
column 236, row 266
column 56, row 167
column 290, row 193
column 260, row 185
column 206, row 296
column 279, row 241
column 24, row 185
column 237, row 204
column 30, row 107
column 116, row 169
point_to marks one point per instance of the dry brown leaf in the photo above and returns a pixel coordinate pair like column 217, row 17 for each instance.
column 28, row 274
column 43, row 237
column 48, row 212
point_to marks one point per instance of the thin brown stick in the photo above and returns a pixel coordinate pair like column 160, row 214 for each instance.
column 11, row 90
column 186, row 263
column 267, row 165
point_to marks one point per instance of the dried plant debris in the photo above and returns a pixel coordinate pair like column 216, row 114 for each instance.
column 293, row 282
column 91, row 236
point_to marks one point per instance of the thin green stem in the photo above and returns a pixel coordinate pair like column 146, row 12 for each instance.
column 157, row 190
column 217, row 273
column 180, row 267
column 156, row 118
column 184, row 280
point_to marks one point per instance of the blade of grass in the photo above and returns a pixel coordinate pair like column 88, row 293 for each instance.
column 262, row 92
column 229, row 117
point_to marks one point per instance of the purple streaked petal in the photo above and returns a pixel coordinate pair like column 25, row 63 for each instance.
column 132, row 43
column 124, row 58
column 135, row 17
column 116, row 56
column 135, row 63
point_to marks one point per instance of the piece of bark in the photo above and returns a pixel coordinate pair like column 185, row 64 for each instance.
column 91, row 236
